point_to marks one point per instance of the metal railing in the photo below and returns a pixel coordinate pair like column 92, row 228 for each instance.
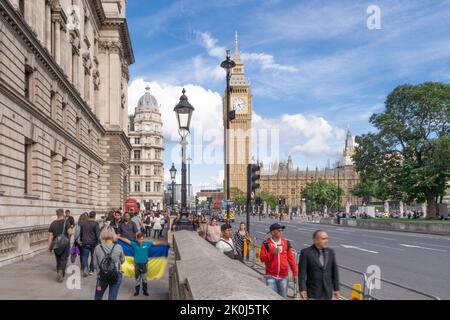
column 348, row 277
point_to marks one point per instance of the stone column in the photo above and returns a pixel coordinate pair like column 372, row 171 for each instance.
column 386, row 206
column 57, row 41
column 115, row 92
column 48, row 26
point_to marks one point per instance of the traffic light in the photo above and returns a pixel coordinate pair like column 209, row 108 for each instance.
column 232, row 115
column 254, row 176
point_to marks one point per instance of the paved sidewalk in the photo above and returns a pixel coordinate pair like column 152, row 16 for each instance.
column 35, row 279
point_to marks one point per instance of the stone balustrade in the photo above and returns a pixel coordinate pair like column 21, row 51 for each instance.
column 17, row 244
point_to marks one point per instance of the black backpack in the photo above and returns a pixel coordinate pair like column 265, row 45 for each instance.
column 61, row 242
column 108, row 272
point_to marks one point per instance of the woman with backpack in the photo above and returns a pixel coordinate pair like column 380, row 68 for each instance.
column 108, row 258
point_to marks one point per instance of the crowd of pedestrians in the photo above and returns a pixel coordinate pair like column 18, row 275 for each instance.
column 95, row 242
column 315, row 272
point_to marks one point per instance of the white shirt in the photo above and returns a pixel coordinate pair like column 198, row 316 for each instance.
column 225, row 245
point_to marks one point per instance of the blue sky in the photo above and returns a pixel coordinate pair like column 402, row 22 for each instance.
column 315, row 67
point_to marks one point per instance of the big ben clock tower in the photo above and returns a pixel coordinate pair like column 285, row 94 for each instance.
column 239, row 137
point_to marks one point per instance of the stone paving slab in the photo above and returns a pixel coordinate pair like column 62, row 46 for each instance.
column 35, row 279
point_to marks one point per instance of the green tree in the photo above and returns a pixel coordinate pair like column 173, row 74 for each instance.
column 321, row 193
column 239, row 197
column 268, row 197
column 408, row 158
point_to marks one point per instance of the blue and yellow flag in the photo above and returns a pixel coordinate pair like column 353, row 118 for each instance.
column 157, row 261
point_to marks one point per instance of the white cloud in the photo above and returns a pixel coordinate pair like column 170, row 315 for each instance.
column 210, row 44
column 266, row 62
column 261, row 60
column 308, row 135
column 207, row 116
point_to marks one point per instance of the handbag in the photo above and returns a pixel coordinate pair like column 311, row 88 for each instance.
column 74, row 252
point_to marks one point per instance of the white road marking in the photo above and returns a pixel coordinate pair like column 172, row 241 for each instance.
column 383, row 238
column 431, row 245
column 379, row 245
column 357, row 248
column 419, row 247
column 346, row 230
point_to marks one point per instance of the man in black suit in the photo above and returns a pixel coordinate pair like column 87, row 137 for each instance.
column 318, row 270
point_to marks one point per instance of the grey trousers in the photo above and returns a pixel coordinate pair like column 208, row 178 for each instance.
column 140, row 274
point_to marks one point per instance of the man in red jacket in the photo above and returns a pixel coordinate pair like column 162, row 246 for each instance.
column 276, row 253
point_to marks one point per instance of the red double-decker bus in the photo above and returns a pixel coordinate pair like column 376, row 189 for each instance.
column 131, row 204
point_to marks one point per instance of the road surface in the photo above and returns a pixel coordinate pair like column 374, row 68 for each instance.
column 418, row 261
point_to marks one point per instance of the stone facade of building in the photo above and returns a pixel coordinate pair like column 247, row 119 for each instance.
column 287, row 182
column 63, row 109
column 147, row 167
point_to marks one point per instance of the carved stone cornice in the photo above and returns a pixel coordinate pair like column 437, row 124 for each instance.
column 109, row 46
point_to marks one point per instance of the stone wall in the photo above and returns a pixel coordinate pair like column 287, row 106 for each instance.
column 201, row 272
column 416, row 227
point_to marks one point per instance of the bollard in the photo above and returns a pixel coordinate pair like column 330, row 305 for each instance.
column 357, row 295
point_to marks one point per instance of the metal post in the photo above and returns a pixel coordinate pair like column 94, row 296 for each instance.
column 227, row 147
column 338, row 193
column 173, row 195
column 249, row 192
column 183, row 177
column 189, row 179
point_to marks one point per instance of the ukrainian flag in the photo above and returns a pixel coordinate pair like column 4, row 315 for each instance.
column 157, row 261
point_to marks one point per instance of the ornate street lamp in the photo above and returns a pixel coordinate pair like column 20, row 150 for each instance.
column 173, row 173
column 183, row 111
column 228, row 65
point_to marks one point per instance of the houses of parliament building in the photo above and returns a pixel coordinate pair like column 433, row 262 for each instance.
column 287, row 182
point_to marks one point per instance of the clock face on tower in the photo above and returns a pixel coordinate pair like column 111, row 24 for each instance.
column 239, row 104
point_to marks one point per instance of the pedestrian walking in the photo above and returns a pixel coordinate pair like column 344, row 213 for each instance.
column 141, row 249
column 59, row 234
column 278, row 256
column 75, row 250
column 83, row 217
column 156, row 226
column 115, row 224
column 203, row 226
column 90, row 237
column 70, row 219
column 319, row 275
column 163, row 224
column 136, row 218
column 127, row 228
column 225, row 243
column 240, row 237
column 213, row 232
column 108, row 258
column 148, row 225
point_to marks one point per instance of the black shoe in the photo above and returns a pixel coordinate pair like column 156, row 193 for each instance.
column 136, row 293
column 60, row 277
column 145, row 293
